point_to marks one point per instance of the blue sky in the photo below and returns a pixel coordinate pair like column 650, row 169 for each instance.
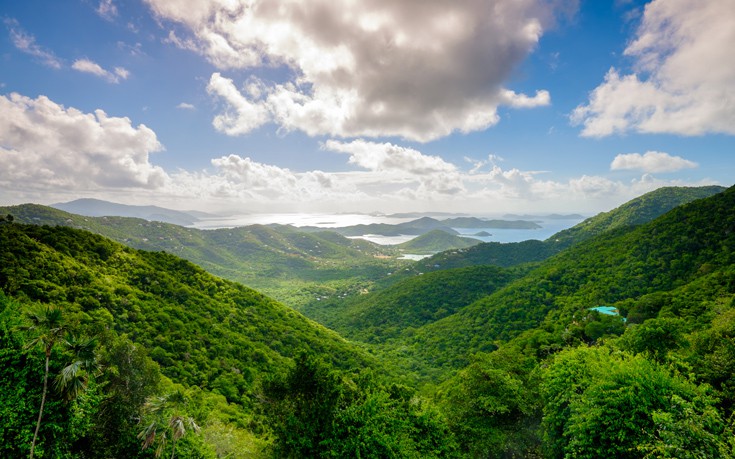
column 474, row 106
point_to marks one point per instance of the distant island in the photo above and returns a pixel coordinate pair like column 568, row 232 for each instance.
column 426, row 224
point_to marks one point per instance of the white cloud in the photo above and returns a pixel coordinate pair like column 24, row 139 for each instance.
column 107, row 9
column 241, row 116
column 46, row 146
column 402, row 165
column 88, row 66
column 418, row 70
column 651, row 161
column 684, row 81
column 383, row 157
column 27, row 43
column 50, row 150
column 186, row 106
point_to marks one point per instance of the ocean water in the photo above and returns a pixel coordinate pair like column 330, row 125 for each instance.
column 324, row 220
column 548, row 229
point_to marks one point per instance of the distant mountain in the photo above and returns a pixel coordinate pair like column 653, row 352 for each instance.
column 436, row 241
column 99, row 208
column 425, row 224
column 424, row 214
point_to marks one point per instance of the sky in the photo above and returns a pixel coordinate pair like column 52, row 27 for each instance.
column 472, row 106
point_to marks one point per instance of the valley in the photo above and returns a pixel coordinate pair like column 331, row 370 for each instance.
column 486, row 349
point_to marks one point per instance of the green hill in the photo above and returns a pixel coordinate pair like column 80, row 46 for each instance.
column 436, row 241
column 291, row 265
column 620, row 266
column 241, row 366
column 197, row 326
column 525, row 367
column 635, row 212
column 412, row 303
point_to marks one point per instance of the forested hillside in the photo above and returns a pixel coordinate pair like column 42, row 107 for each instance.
column 635, row 212
column 290, row 265
column 149, row 351
column 620, row 267
column 410, row 304
column 168, row 339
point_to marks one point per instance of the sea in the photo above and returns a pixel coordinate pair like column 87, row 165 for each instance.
column 549, row 226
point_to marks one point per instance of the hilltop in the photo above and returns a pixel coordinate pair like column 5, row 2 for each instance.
column 436, row 241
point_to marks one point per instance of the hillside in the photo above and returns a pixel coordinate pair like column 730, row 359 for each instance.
column 524, row 367
column 412, row 303
column 292, row 266
column 197, row 326
column 436, row 241
column 618, row 267
column 635, row 212
column 181, row 361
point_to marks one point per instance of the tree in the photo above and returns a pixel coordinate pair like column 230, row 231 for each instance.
column 602, row 403
column 492, row 405
column 301, row 407
column 48, row 326
column 168, row 414
column 74, row 378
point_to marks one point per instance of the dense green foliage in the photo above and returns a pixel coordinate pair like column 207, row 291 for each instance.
column 480, row 362
column 289, row 264
column 410, row 304
column 203, row 329
column 317, row 412
column 635, row 212
column 638, row 211
column 686, row 246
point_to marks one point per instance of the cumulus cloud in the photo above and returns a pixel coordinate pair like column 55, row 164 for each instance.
column 186, row 106
column 26, row 43
column 382, row 157
column 241, row 115
column 415, row 69
column 47, row 149
column 651, row 161
column 683, row 81
column 400, row 164
column 44, row 145
column 88, row 66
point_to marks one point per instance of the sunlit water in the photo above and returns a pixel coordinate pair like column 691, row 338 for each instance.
column 548, row 226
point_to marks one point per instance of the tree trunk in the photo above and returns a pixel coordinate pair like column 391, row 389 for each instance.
column 43, row 401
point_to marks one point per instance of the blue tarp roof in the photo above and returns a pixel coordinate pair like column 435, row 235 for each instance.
column 607, row 310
